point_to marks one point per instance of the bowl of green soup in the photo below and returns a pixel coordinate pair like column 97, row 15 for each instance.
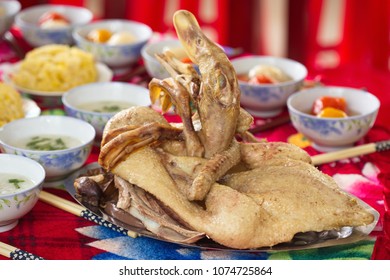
column 61, row 144
column 96, row 103
column 21, row 182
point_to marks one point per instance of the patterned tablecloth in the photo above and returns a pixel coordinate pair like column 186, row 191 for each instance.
column 58, row 235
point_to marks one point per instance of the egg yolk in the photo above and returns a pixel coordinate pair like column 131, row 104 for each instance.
column 330, row 112
column 99, row 35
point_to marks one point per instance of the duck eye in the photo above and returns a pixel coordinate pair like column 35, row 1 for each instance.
column 222, row 81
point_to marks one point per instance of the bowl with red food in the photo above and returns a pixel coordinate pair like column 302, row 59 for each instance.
column 114, row 42
column 50, row 23
column 333, row 117
column 266, row 82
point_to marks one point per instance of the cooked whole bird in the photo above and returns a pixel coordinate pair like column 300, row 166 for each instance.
column 240, row 194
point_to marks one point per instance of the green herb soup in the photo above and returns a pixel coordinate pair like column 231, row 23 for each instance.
column 48, row 143
column 12, row 183
column 106, row 106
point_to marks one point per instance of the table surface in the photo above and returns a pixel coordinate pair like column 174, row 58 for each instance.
column 54, row 234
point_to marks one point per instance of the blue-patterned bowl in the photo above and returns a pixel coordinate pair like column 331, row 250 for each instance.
column 116, row 56
column 268, row 100
column 77, row 102
column 77, row 135
column 329, row 134
column 28, row 22
column 19, row 197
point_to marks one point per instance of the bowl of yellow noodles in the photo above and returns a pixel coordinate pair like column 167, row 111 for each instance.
column 49, row 71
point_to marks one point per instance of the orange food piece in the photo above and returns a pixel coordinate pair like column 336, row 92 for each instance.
column 260, row 79
column 330, row 112
column 99, row 35
column 329, row 101
column 52, row 16
column 186, row 60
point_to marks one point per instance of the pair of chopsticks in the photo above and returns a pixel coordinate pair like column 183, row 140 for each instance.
column 81, row 211
column 365, row 149
column 15, row 253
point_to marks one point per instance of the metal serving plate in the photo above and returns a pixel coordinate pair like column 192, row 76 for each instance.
column 306, row 240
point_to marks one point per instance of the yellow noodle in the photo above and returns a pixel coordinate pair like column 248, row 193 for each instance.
column 11, row 105
column 55, row 68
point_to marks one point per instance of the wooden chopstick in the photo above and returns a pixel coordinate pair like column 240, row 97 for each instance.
column 351, row 152
column 81, row 211
column 14, row 253
column 270, row 124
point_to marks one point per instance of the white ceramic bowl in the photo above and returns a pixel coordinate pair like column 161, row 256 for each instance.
column 152, row 65
column 268, row 100
column 115, row 56
column 75, row 100
column 28, row 22
column 57, row 163
column 8, row 10
column 46, row 99
column 329, row 134
column 14, row 204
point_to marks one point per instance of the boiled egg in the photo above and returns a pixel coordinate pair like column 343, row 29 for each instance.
column 121, row 37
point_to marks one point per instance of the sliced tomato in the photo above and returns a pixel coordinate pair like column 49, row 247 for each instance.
column 323, row 102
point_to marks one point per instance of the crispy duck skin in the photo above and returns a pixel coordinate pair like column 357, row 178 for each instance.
column 299, row 198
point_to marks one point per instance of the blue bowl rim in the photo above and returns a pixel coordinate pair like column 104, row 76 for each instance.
column 281, row 84
column 37, row 164
column 79, row 38
column 58, row 152
column 292, row 109
column 23, row 24
column 101, row 114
